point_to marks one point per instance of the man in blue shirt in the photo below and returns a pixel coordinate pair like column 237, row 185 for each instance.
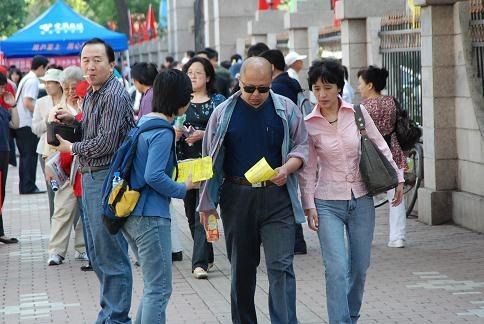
column 252, row 124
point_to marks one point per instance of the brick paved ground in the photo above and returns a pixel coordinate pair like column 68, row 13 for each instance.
column 437, row 278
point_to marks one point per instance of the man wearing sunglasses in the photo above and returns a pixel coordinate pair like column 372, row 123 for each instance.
column 256, row 123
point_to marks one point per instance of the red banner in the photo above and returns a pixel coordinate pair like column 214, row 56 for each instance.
column 24, row 63
column 336, row 22
column 150, row 31
column 269, row 4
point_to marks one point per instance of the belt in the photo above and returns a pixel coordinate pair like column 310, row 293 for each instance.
column 92, row 169
column 245, row 182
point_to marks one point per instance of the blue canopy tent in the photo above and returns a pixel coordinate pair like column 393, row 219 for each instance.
column 59, row 31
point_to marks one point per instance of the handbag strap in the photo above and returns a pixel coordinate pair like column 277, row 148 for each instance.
column 359, row 119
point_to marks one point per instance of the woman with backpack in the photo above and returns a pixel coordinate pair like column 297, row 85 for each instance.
column 383, row 110
column 189, row 146
column 147, row 229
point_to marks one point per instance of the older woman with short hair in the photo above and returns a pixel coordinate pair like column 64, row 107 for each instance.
column 67, row 208
column 70, row 78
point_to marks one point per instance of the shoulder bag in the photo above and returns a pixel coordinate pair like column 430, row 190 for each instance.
column 377, row 173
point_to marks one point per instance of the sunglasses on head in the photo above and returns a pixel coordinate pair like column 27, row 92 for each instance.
column 251, row 88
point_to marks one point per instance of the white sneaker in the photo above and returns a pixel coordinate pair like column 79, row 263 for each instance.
column 81, row 256
column 396, row 244
column 199, row 273
column 55, row 259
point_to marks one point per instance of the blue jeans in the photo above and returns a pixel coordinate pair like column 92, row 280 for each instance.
column 150, row 240
column 108, row 254
column 346, row 261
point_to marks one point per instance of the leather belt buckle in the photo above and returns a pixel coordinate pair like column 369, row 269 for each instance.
column 258, row 185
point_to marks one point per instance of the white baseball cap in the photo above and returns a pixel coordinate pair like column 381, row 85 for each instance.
column 293, row 57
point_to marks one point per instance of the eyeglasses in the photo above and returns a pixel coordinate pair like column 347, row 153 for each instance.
column 251, row 88
column 196, row 73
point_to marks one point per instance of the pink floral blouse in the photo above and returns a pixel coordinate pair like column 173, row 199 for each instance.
column 383, row 111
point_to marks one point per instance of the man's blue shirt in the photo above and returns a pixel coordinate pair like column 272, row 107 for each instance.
column 253, row 133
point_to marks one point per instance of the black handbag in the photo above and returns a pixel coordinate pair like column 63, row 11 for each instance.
column 71, row 133
column 377, row 173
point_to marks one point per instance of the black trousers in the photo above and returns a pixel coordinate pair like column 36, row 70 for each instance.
column 27, row 145
column 4, row 156
column 202, row 250
column 11, row 143
column 253, row 217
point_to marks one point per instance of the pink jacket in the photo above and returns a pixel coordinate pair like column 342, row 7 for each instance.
column 337, row 149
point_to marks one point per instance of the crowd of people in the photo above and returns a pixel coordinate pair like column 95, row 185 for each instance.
column 237, row 113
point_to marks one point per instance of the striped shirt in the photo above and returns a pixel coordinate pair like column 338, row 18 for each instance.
column 108, row 116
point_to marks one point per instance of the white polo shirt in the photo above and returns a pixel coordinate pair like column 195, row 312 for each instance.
column 28, row 89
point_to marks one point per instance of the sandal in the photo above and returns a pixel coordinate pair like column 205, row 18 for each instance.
column 6, row 240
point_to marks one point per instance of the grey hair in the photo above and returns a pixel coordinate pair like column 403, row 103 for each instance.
column 71, row 73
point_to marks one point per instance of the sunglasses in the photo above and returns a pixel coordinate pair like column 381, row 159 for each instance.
column 252, row 88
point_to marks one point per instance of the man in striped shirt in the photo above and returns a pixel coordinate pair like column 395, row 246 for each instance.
column 107, row 118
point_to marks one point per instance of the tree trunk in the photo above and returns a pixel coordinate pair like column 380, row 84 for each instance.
column 123, row 19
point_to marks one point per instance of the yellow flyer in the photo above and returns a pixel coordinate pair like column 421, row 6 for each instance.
column 200, row 169
column 261, row 171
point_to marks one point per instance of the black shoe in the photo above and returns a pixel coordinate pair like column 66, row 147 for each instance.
column 8, row 240
column 36, row 191
column 87, row 267
column 177, row 256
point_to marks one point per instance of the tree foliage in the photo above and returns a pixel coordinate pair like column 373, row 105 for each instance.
column 15, row 14
column 12, row 13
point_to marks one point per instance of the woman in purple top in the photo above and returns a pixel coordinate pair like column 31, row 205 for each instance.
column 144, row 75
column 189, row 146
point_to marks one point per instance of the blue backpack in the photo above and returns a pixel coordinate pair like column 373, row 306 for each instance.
column 122, row 163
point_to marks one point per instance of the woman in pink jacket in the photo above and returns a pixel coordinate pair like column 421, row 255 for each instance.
column 334, row 196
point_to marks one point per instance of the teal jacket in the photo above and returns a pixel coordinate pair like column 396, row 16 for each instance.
column 295, row 144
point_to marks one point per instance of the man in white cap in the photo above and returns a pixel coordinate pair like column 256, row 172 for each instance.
column 294, row 62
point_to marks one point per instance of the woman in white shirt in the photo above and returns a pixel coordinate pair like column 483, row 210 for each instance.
column 41, row 113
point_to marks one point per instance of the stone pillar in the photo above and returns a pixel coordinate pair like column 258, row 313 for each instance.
column 240, row 46
column 230, row 23
column 354, row 41
column 354, row 48
column 265, row 26
column 208, row 14
column 272, row 40
column 303, row 28
column 438, row 88
column 180, row 25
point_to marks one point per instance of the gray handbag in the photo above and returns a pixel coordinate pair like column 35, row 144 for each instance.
column 377, row 173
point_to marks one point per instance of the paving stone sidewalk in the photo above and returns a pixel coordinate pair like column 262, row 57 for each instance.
column 437, row 278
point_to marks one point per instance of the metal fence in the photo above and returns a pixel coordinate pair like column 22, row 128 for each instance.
column 400, row 47
column 477, row 36
column 329, row 42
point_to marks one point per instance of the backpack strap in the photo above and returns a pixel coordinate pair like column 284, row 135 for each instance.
column 146, row 127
